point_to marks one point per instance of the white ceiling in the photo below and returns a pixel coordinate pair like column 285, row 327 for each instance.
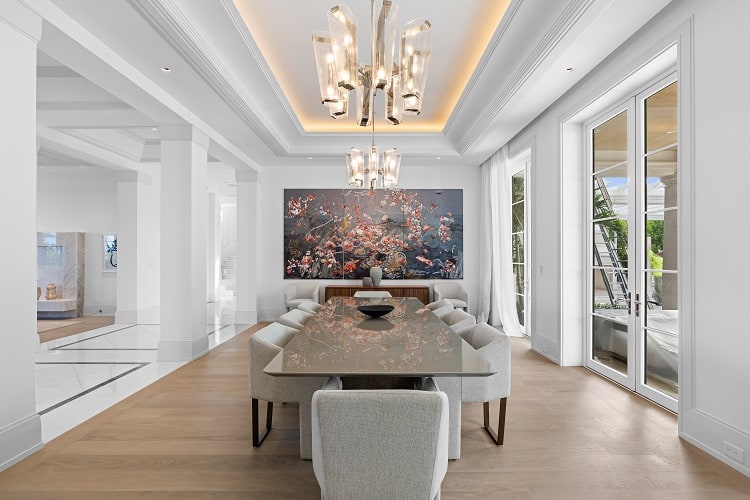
column 243, row 72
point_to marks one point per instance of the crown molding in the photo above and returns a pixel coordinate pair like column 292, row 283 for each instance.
column 483, row 61
column 168, row 20
column 241, row 27
column 551, row 39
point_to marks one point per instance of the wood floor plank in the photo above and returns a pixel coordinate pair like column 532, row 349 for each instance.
column 569, row 435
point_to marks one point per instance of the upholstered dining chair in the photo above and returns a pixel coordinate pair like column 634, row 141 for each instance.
column 297, row 293
column 310, row 306
column 263, row 346
column 457, row 319
column 296, row 318
column 494, row 346
column 379, row 444
column 440, row 307
column 452, row 291
column 374, row 294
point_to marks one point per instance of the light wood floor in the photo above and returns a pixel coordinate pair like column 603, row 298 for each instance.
column 570, row 435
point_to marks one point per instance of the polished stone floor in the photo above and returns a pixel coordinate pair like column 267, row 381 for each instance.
column 83, row 374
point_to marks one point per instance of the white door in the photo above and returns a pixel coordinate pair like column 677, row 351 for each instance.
column 633, row 243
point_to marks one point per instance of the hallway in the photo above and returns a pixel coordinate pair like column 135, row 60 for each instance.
column 81, row 375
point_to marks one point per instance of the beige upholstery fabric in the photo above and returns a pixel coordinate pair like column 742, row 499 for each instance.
column 452, row 291
column 373, row 293
column 263, row 346
column 379, row 444
column 439, row 304
column 301, row 292
column 458, row 319
column 296, row 318
column 494, row 346
column 309, row 307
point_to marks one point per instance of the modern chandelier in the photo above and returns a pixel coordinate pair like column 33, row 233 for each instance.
column 400, row 73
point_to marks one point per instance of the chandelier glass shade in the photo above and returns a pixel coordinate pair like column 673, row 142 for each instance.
column 399, row 70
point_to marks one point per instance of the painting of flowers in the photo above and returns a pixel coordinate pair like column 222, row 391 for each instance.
column 341, row 234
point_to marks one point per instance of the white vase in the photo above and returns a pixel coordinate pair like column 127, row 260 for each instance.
column 376, row 273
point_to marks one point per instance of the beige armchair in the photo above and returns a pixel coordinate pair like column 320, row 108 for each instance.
column 263, row 346
column 440, row 307
column 457, row 319
column 300, row 292
column 379, row 444
column 310, row 307
column 452, row 291
column 494, row 346
column 296, row 318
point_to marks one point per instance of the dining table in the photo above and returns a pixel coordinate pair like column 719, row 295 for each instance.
column 391, row 351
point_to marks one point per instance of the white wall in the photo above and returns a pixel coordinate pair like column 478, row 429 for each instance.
column 274, row 181
column 713, row 113
column 69, row 200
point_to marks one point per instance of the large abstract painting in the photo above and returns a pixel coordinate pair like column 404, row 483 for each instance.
column 340, row 234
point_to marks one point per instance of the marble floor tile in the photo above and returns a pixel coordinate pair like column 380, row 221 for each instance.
column 81, row 375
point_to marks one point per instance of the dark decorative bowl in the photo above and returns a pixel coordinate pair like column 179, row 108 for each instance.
column 375, row 310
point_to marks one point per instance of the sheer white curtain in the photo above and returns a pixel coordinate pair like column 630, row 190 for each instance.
column 496, row 294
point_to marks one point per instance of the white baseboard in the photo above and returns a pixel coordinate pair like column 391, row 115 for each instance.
column 19, row 440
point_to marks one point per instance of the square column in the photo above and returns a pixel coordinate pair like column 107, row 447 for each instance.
column 248, row 190
column 138, row 249
column 184, row 227
column 20, row 426
column 213, row 271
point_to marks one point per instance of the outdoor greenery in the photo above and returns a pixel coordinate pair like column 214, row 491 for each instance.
column 655, row 229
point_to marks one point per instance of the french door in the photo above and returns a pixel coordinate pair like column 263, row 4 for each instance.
column 519, row 230
column 632, row 335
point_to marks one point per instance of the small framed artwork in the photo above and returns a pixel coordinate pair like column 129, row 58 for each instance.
column 109, row 253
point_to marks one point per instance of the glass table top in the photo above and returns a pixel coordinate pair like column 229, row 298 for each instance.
column 410, row 341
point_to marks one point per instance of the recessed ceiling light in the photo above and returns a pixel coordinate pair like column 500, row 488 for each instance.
column 154, row 128
column 309, row 157
column 166, row 69
column 438, row 158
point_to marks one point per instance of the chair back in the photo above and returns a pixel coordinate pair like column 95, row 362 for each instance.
column 263, row 346
column 452, row 291
column 380, row 444
column 458, row 319
column 310, row 307
column 297, row 293
column 439, row 304
column 494, row 346
column 296, row 318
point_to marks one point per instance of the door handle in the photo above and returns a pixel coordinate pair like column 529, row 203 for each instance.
column 637, row 305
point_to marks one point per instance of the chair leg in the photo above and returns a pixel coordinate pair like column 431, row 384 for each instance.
column 258, row 439
column 500, row 434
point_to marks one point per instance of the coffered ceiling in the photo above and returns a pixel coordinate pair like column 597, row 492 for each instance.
column 243, row 72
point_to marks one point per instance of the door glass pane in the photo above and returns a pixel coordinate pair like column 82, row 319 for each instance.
column 611, row 142
column 610, row 339
column 661, row 362
column 660, row 112
column 660, row 331
column 610, row 288
column 517, row 217
column 518, row 280
column 518, row 209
